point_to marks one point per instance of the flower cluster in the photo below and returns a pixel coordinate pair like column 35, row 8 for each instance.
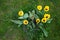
column 35, row 19
column 43, row 20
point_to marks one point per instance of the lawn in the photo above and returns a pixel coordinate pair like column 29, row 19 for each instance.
column 9, row 10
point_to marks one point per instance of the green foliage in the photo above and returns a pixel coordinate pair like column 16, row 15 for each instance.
column 17, row 21
column 9, row 8
column 24, row 17
column 44, row 31
column 49, row 21
column 32, row 26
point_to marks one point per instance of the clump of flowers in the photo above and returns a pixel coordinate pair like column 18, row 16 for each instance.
column 34, row 20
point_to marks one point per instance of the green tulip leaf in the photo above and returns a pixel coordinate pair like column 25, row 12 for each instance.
column 17, row 22
column 29, row 26
column 25, row 15
column 33, row 12
column 49, row 21
column 44, row 31
column 36, row 16
column 31, row 15
column 33, row 25
column 20, row 17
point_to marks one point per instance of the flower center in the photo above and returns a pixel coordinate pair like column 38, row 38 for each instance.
column 21, row 13
column 44, row 20
column 25, row 22
column 46, row 8
column 37, row 20
column 46, row 16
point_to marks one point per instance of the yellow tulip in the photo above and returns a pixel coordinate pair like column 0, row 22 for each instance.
column 44, row 20
column 46, row 8
column 25, row 22
column 47, row 16
column 39, row 7
column 20, row 13
column 37, row 21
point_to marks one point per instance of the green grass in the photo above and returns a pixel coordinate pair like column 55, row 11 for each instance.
column 10, row 8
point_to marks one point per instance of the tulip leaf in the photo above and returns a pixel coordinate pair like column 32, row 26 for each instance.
column 29, row 26
column 44, row 31
column 17, row 22
column 20, row 17
column 33, row 25
column 41, row 24
column 25, row 15
column 36, row 16
column 33, row 12
column 31, row 15
column 49, row 21
column 19, row 25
